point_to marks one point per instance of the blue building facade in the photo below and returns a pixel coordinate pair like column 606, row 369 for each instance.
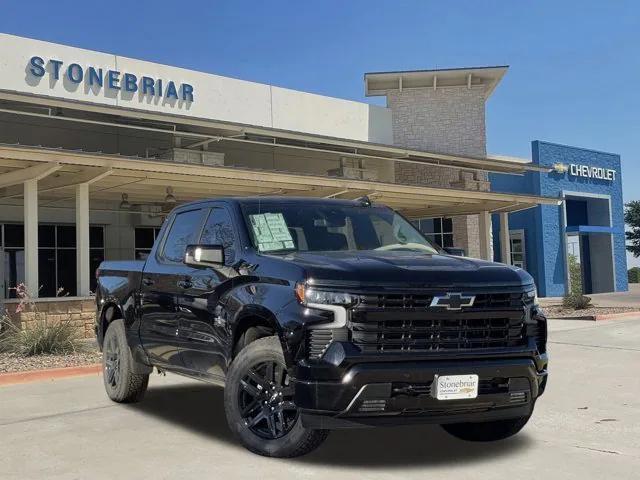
column 586, row 229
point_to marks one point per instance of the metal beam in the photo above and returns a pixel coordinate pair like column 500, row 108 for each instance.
column 505, row 240
column 31, row 236
column 82, row 239
column 37, row 172
column 60, row 182
column 486, row 247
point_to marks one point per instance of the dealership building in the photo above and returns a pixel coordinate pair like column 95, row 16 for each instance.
column 587, row 229
column 96, row 149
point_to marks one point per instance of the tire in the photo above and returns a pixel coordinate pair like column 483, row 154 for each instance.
column 120, row 383
column 273, row 429
column 486, row 431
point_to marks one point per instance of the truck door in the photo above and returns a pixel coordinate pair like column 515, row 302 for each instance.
column 205, row 338
column 163, row 277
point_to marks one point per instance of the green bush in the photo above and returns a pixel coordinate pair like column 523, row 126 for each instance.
column 575, row 276
column 634, row 275
column 42, row 336
column 576, row 301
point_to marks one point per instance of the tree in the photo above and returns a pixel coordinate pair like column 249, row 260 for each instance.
column 632, row 219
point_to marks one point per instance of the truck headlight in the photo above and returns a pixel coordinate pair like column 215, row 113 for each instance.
column 308, row 295
column 532, row 296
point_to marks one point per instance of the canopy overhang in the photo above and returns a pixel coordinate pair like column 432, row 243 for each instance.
column 145, row 182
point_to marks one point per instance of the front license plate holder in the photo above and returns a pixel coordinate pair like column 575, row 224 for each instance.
column 455, row 387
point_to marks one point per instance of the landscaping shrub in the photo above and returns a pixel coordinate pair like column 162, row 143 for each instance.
column 576, row 301
column 634, row 275
column 41, row 336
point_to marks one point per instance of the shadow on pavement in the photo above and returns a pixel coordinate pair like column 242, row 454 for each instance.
column 200, row 408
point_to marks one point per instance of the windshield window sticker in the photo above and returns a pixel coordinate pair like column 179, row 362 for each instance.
column 271, row 231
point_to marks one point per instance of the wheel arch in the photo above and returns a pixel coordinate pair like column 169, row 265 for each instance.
column 109, row 312
column 251, row 323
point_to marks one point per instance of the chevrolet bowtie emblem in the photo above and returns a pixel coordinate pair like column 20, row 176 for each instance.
column 560, row 168
column 452, row 301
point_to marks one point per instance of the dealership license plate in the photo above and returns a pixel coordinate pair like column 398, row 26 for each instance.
column 455, row 387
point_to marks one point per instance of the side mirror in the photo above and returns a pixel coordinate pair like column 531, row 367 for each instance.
column 457, row 252
column 204, row 255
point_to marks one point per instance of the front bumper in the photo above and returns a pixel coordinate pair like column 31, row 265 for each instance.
column 395, row 393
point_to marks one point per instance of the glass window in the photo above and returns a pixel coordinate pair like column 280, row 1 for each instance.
column 13, row 235
column 96, row 237
column 323, row 227
column 438, row 230
column 218, row 230
column 46, row 235
column 144, row 240
column 184, row 231
column 13, row 270
column 56, row 258
column 96, row 257
column 47, row 272
column 66, row 272
column 66, row 236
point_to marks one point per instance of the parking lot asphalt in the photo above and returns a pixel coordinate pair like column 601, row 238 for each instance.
column 587, row 425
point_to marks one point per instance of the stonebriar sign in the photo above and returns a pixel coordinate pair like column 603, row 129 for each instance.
column 97, row 77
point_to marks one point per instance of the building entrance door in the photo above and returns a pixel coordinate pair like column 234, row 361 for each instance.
column 518, row 252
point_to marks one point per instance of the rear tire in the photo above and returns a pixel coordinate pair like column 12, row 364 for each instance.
column 486, row 431
column 120, row 383
column 259, row 406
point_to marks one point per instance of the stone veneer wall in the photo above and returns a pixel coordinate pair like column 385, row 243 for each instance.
column 81, row 312
column 445, row 120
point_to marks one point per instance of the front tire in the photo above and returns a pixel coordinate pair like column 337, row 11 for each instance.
column 259, row 403
column 121, row 384
column 486, row 431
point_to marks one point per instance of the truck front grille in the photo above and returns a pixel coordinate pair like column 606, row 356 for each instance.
column 406, row 323
column 411, row 301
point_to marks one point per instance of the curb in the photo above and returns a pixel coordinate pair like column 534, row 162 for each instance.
column 599, row 318
column 12, row 378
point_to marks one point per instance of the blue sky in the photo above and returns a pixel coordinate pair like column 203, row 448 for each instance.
column 574, row 76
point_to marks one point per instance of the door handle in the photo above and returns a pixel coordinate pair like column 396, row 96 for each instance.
column 147, row 281
column 185, row 284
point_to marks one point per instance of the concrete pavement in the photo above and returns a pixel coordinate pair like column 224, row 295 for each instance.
column 586, row 426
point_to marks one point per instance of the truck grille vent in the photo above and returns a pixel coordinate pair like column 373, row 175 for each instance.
column 374, row 332
column 318, row 341
column 371, row 406
column 418, row 301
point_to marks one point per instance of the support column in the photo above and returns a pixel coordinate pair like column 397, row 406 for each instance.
column 82, row 239
column 31, row 237
column 486, row 249
column 505, row 240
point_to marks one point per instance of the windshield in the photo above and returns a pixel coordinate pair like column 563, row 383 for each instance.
column 325, row 227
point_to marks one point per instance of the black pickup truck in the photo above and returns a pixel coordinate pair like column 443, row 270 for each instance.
column 323, row 314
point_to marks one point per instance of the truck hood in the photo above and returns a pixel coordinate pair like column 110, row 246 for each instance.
column 377, row 268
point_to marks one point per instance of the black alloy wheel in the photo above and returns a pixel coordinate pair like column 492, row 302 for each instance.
column 265, row 400
column 111, row 362
column 122, row 383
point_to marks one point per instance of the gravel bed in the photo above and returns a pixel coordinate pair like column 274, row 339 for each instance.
column 10, row 362
column 557, row 311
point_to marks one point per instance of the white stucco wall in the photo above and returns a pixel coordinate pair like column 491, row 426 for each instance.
column 215, row 97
